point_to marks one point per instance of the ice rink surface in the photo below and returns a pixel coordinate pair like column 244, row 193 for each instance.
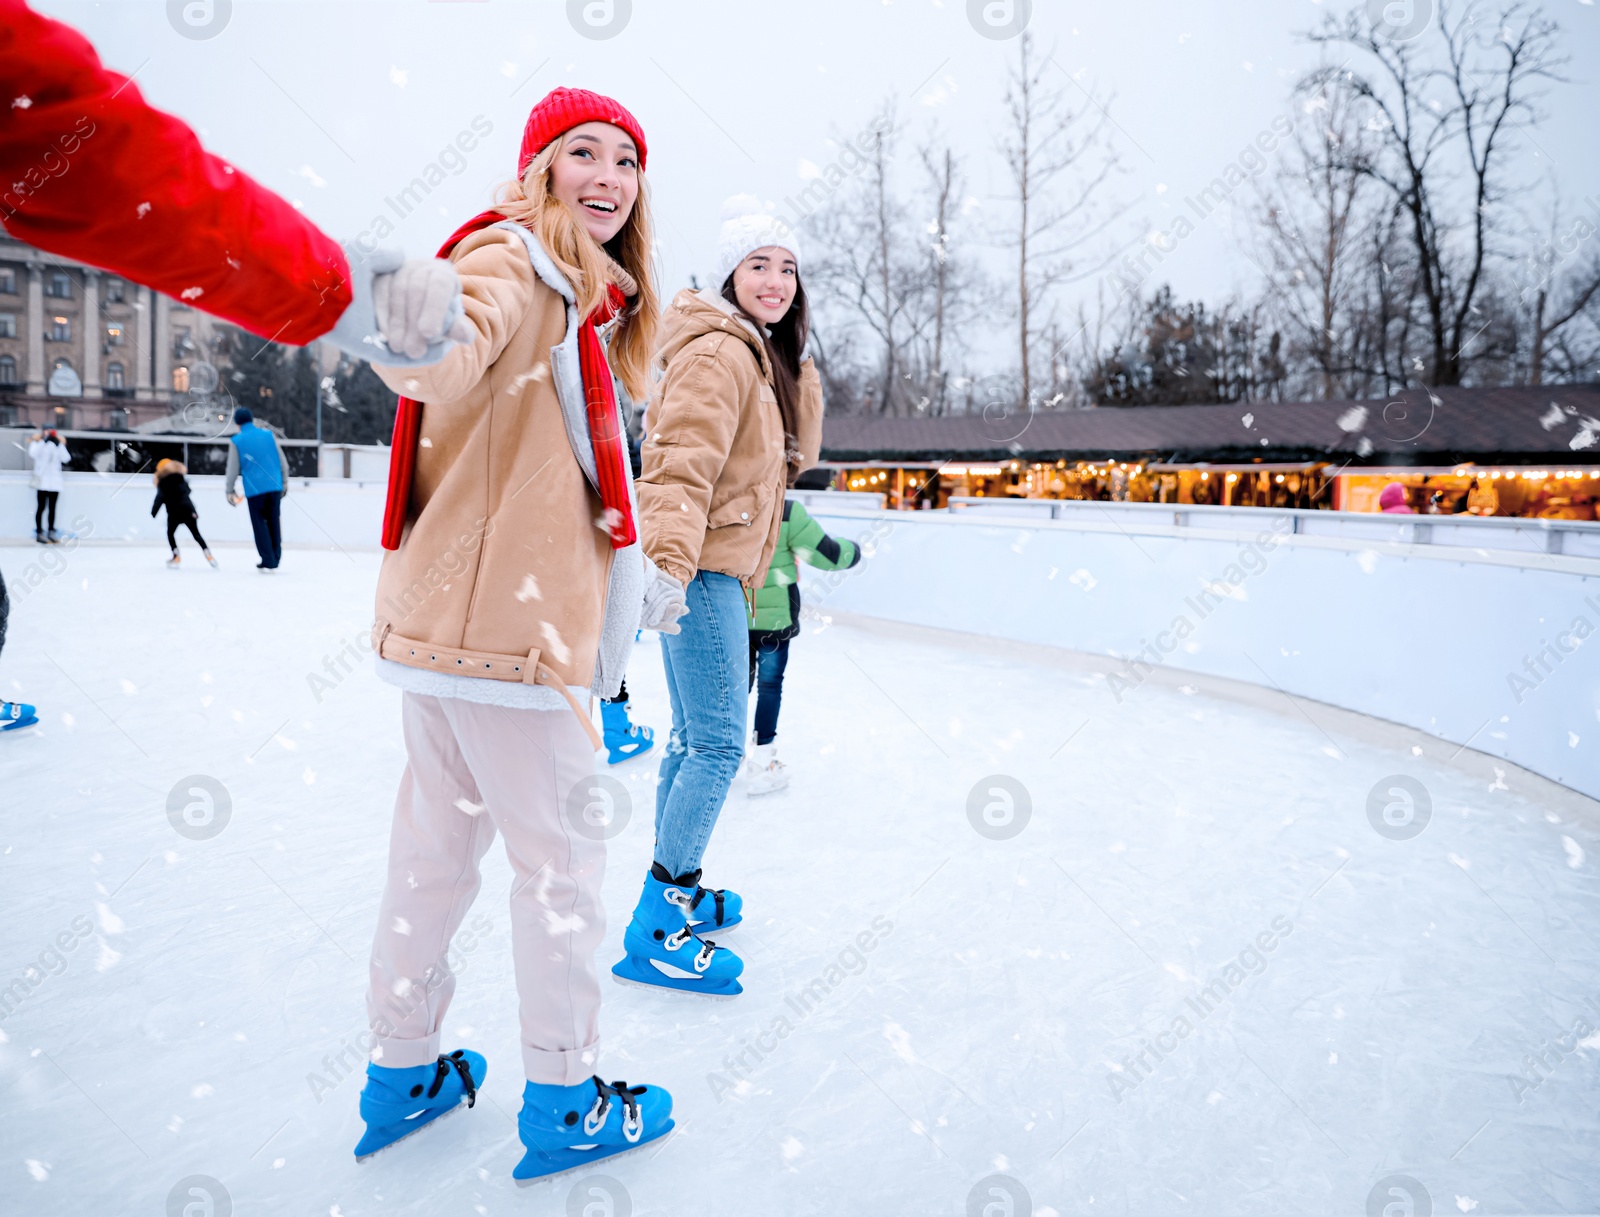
column 1197, row 981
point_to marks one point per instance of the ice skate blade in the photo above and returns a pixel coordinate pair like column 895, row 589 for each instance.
column 625, row 757
column 564, row 1161
column 705, row 994
column 414, row 1127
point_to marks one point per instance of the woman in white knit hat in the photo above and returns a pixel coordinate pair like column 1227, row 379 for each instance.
column 736, row 418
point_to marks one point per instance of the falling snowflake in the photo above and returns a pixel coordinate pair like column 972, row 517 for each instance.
column 1352, row 420
column 1574, row 852
column 900, row 1041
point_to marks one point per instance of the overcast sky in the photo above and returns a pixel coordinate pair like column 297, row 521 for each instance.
column 339, row 104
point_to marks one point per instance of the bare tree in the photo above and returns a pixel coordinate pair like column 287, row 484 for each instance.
column 941, row 171
column 956, row 287
column 1423, row 114
column 1312, row 220
column 872, row 270
column 1557, row 287
column 1059, row 159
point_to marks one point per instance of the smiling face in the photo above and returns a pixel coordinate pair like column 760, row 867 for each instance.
column 596, row 174
column 764, row 283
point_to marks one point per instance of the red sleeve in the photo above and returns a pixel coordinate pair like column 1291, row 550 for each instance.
column 89, row 171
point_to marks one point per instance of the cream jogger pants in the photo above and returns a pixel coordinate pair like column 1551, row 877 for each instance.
column 470, row 770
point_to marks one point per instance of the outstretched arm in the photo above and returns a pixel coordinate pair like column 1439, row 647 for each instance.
column 90, row 171
column 816, row 548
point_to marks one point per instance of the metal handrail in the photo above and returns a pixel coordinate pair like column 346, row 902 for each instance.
column 1579, row 537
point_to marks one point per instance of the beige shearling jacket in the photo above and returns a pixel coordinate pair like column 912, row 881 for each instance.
column 505, row 588
column 714, row 465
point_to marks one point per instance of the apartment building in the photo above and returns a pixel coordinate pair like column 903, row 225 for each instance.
column 85, row 350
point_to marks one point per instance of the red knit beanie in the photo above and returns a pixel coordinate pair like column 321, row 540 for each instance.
column 564, row 109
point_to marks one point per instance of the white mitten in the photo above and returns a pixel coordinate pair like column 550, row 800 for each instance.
column 664, row 600
column 413, row 306
column 410, row 300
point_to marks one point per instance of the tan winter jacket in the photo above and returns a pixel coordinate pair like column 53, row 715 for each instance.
column 714, row 466
column 504, row 573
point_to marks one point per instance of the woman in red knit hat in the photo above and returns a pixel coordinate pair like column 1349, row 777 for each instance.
column 510, row 595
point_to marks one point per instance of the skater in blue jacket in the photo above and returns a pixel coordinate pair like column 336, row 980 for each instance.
column 255, row 453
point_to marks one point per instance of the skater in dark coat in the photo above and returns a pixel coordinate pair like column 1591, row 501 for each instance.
column 172, row 491
column 14, row 715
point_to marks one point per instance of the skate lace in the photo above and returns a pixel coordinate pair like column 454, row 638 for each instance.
column 442, row 1070
column 632, row 1121
column 680, row 938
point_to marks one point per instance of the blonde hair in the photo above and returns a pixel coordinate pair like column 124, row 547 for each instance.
column 583, row 261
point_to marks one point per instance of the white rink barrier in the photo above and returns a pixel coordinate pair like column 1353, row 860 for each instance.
column 1467, row 643
column 330, row 514
column 1579, row 538
column 1475, row 644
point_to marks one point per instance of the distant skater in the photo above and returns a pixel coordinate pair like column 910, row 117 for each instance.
column 172, row 491
column 254, row 452
column 49, row 455
column 14, row 715
column 774, row 620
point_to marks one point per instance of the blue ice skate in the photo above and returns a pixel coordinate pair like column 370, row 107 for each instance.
column 622, row 738
column 663, row 952
column 15, row 715
column 398, row 1102
column 565, row 1127
column 715, row 909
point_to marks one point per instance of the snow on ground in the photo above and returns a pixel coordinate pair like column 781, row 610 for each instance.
column 1372, row 999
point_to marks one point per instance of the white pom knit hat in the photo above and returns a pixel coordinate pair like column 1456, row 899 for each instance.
column 747, row 225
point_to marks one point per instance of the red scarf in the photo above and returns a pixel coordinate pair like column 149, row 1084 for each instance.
column 600, row 405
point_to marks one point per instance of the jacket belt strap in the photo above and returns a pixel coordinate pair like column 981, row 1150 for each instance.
column 482, row 665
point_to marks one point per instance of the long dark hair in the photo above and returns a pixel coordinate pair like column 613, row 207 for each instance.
column 786, row 344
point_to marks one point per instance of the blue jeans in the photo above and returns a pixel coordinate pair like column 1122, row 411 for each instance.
column 707, row 666
column 768, row 659
column 264, row 522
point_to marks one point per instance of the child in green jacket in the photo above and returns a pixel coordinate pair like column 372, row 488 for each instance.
column 774, row 619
